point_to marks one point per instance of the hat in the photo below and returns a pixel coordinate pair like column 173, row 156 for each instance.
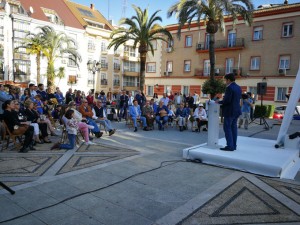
column 200, row 105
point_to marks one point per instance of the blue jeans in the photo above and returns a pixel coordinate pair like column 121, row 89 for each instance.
column 71, row 145
column 93, row 123
column 158, row 121
column 230, row 130
column 143, row 119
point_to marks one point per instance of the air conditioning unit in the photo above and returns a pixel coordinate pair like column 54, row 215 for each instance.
column 169, row 50
column 199, row 46
column 63, row 61
column 217, row 72
column 166, row 73
column 282, row 71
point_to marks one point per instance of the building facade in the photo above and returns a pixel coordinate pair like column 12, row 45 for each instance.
column 267, row 51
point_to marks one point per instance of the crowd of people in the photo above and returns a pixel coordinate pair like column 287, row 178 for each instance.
column 36, row 111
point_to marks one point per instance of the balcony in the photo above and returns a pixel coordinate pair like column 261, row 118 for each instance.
column 116, row 83
column 222, row 45
column 130, row 84
column 219, row 71
column 117, row 66
column 103, row 81
column 104, row 66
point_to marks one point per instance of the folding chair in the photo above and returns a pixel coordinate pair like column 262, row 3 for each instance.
column 10, row 136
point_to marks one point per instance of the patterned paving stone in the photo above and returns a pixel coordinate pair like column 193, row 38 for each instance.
column 290, row 190
column 26, row 165
column 102, row 148
column 242, row 203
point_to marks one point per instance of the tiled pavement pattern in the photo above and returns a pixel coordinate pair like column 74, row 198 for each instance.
column 140, row 178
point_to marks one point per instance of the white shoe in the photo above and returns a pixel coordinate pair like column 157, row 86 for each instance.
column 89, row 143
column 91, row 127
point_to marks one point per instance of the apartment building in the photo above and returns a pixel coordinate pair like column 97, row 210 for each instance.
column 267, row 51
column 17, row 19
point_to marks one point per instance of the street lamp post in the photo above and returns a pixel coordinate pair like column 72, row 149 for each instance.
column 94, row 67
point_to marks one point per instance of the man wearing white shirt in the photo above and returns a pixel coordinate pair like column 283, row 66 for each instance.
column 100, row 117
column 165, row 99
column 201, row 117
column 130, row 99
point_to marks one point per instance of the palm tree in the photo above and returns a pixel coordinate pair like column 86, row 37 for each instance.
column 61, row 73
column 57, row 45
column 213, row 13
column 142, row 30
column 34, row 45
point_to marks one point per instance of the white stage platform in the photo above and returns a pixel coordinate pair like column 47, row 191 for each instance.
column 252, row 155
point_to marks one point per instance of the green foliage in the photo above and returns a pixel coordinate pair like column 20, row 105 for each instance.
column 213, row 87
column 142, row 29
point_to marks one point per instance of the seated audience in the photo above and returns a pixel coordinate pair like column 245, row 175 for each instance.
column 161, row 114
column 201, row 117
column 148, row 112
column 17, row 127
column 136, row 114
column 181, row 115
column 100, row 117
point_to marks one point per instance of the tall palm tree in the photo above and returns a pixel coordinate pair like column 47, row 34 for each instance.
column 34, row 45
column 142, row 30
column 57, row 45
column 213, row 13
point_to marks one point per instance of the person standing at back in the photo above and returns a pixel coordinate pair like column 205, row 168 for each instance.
column 231, row 111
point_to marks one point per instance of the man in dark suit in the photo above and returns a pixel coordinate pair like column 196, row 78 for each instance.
column 231, row 110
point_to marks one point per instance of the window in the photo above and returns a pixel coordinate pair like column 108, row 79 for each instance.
column 169, row 66
column 253, row 90
column 91, row 46
column 187, row 65
column 255, row 63
column 116, row 64
column 229, row 65
column 170, row 43
column 206, row 67
column 103, row 76
column 103, row 46
column 130, row 66
column 151, row 67
column 281, row 92
column 116, row 80
column 21, row 67
column 150, row 90
column 257, row 33
column 85, row 12
column 91, row 78
column 104, row 64
column 188, row 41
column 284, row 62
column 72, row 61
column 132, row 52
column 168, row 89
column 287, row 30
column 129, row 81
column 186, row 90
column 231, row 39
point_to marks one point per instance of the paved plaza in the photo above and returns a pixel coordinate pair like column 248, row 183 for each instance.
column 141, row 178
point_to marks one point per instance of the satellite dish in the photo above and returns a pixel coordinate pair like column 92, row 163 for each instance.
column 31, row 10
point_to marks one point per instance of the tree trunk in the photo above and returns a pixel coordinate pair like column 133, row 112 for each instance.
column 38, row 68
column 212, row 60
column 212, row 55
column 143, row 54
column 50, row 74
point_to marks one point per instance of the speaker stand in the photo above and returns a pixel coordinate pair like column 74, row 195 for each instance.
column 262, row 120
column 11, row 191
